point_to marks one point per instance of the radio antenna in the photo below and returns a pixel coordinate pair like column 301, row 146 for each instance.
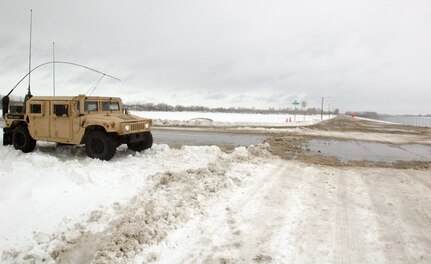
column 53, row 66
column 61, row 62
column 29, row 57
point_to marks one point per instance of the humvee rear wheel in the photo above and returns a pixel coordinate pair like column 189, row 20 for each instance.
column 22, row 140
column 99, row 145
column 142, row 145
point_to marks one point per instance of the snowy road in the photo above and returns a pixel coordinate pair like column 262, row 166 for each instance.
column 306, row 214
column 243, row 207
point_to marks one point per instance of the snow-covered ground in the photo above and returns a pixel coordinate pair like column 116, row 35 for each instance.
column 308, row 214
column 56, row 184
column 51, row 197
column 229, row 119
column 201, row 205
column 198, row 204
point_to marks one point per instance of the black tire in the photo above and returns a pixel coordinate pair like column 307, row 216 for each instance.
column 22, row 140
column 149, row 141
column 99, row 145
column 142, row 145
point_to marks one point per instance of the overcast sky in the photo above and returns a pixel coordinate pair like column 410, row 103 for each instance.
column 372, row 55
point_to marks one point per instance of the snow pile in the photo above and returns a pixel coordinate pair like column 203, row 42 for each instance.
column 64, row 209
column 200, row 119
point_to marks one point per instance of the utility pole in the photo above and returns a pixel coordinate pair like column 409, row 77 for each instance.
column 321, row 109
column 329, row 110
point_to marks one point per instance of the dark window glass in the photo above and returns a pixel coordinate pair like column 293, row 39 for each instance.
column 110, row 106
column 35, row 108
column 61, row 110
column 16, row 108
column 91, row 107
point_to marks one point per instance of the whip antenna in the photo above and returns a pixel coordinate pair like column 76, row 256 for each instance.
column 29, row 57
column 93, row 88
column 53, row 67
column 61, row 62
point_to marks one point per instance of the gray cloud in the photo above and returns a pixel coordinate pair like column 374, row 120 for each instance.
column 217, row 96
column 362, row 55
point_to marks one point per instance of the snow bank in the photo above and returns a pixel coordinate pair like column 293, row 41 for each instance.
column 57, row 200
column 55, row 185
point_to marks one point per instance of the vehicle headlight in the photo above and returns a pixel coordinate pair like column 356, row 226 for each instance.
column 147, row 125
column 127, row 127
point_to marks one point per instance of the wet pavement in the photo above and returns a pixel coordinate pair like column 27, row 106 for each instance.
column 200, row 138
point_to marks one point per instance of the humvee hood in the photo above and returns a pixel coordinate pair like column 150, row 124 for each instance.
column 116, row 118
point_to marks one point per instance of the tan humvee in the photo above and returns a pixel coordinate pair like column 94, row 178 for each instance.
column 100, row 123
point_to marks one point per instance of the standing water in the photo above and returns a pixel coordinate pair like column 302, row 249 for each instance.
column 351, row 150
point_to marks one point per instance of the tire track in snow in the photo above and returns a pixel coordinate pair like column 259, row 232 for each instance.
column 343, row 239
column 350, row 231
column 269, row 217
column 361, row 228
column 284, row 217
column 252, row 218
column 384, row 203
column 415, row 221
column 312, row 241
column 242, row 228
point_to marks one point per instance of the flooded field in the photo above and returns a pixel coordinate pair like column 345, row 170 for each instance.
column 420, row 121
column 353, row 150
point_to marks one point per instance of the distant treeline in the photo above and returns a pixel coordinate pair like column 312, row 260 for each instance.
column 197, row 108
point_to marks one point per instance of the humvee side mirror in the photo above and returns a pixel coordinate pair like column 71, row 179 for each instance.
column 5, row 104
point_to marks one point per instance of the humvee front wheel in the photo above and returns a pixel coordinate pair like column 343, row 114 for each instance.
column 142, row 145
column 98, row 145
column 22, row 140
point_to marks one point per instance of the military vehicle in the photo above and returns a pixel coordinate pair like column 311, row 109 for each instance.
column 101, row 123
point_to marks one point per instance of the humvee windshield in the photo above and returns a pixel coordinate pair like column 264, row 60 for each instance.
column 110, row 106
column 91, row 106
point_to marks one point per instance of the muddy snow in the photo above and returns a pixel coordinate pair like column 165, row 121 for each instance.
column 199, row 204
